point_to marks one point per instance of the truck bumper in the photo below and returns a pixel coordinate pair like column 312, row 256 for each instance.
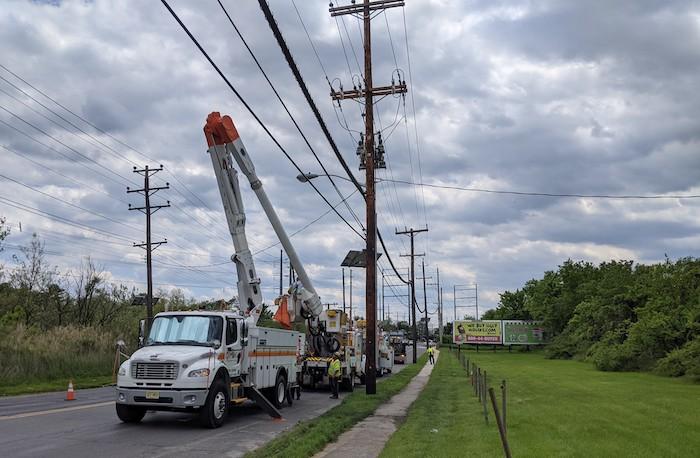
column 167, row 399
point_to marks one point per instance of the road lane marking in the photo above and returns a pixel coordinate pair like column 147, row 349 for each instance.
column 62, row 409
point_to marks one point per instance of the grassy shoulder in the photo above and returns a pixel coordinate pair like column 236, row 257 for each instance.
column 310, row 437
column 555, row 408
column 45, row 386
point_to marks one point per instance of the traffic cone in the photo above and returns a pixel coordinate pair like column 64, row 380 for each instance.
column 70, row 394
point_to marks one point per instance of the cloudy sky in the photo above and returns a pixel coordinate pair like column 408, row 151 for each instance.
column 559, row 97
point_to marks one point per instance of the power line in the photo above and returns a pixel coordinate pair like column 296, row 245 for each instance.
column 252, row 113
column 284, row 105
column 310, row 223
column 71, row 275
column 344, row 124
column 113, row 151
column 415, row 122
column 300, row 81
column 548, row 194
column 179, row 208
column 67, row 146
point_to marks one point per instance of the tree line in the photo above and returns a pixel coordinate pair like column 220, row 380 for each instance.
column 38, row 295
column 620, row 315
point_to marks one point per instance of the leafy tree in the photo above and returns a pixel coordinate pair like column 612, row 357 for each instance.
column 32, row 277
column 619, row 315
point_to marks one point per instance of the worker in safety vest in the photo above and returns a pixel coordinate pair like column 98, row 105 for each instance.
column 334, row 374
column 431, row 354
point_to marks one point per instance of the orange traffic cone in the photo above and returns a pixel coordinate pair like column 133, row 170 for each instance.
column 70, row 394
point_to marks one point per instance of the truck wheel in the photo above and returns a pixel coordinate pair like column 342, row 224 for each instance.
column 290, row 396
column 279, row 392
column 213, row 413
column 130, row 414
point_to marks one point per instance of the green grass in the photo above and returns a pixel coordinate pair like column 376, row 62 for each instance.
column 30, row 356
column 55, row 385
column 309, row 437
column 555, row 408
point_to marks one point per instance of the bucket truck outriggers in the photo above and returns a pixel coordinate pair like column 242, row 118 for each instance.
column 205, row 361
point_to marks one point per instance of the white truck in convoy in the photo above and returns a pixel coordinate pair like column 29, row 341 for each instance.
column 205, row 361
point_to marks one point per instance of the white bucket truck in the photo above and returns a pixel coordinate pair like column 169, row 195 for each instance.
column 204, row 361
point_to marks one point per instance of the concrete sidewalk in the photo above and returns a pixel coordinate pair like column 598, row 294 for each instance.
column 368, row 437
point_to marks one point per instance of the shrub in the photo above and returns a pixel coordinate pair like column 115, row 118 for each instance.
column 682, row 361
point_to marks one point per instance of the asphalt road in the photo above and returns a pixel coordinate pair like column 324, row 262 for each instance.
column 47, row 425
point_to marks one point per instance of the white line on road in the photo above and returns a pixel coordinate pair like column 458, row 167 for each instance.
column 62, row 409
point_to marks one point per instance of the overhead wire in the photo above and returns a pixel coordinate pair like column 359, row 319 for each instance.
column 548, row 194
column 252, row 113
column 174, row 205
column 296, row 124
column 415, row 127
column 300, row 81
column 106, row 147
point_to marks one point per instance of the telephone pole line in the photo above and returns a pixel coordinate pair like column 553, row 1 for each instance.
column 366, row 9
column 412, row 233
column 147, row 191
column 439, row 303
column 425, row 302
column 439, row 291
column 344, row 290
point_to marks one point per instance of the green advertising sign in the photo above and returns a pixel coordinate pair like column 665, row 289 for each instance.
column 517, row 332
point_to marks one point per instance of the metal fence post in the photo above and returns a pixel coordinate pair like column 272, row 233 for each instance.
column 503, row 401
column 478, row 382
column 483, row 399
column 501, row 428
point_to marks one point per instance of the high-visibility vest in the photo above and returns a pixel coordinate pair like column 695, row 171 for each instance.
column 430, row 350
column 334, row 368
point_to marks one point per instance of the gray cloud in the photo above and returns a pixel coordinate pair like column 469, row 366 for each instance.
column 563, row 97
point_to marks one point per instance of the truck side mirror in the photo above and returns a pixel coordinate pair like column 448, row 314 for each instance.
column 142, row 332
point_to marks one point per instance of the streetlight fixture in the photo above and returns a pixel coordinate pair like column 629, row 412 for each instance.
column 305, row 177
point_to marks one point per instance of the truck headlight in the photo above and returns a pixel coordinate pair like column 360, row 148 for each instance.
column 199, row 373
column 122, row 370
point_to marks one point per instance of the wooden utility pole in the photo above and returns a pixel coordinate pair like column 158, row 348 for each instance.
column 425, row 302
column 383, row 295
column 365, row 9
column 439, row 291
column 412, row 233
column 344, row 290
column 147, row 191
column 350, row 296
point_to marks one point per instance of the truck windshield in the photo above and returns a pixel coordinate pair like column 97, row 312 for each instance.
column 186, row 330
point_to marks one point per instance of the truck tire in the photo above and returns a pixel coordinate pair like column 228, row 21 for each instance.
column 213, row 413
column 279, row 392
column 130, row 414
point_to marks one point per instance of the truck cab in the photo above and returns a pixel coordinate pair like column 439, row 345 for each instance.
column 202, row 362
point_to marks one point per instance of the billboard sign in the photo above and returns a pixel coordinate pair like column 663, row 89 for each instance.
column 477, row 332
column 517, row 332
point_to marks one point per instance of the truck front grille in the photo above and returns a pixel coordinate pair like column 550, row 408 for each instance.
column 159, row 371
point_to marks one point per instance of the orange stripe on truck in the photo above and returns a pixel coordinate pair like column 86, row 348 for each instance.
column 253, row 354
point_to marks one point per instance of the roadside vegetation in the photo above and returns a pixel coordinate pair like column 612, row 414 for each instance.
column 310, row 437
column 56, row 325
column 619, row 315
column 555, row 408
